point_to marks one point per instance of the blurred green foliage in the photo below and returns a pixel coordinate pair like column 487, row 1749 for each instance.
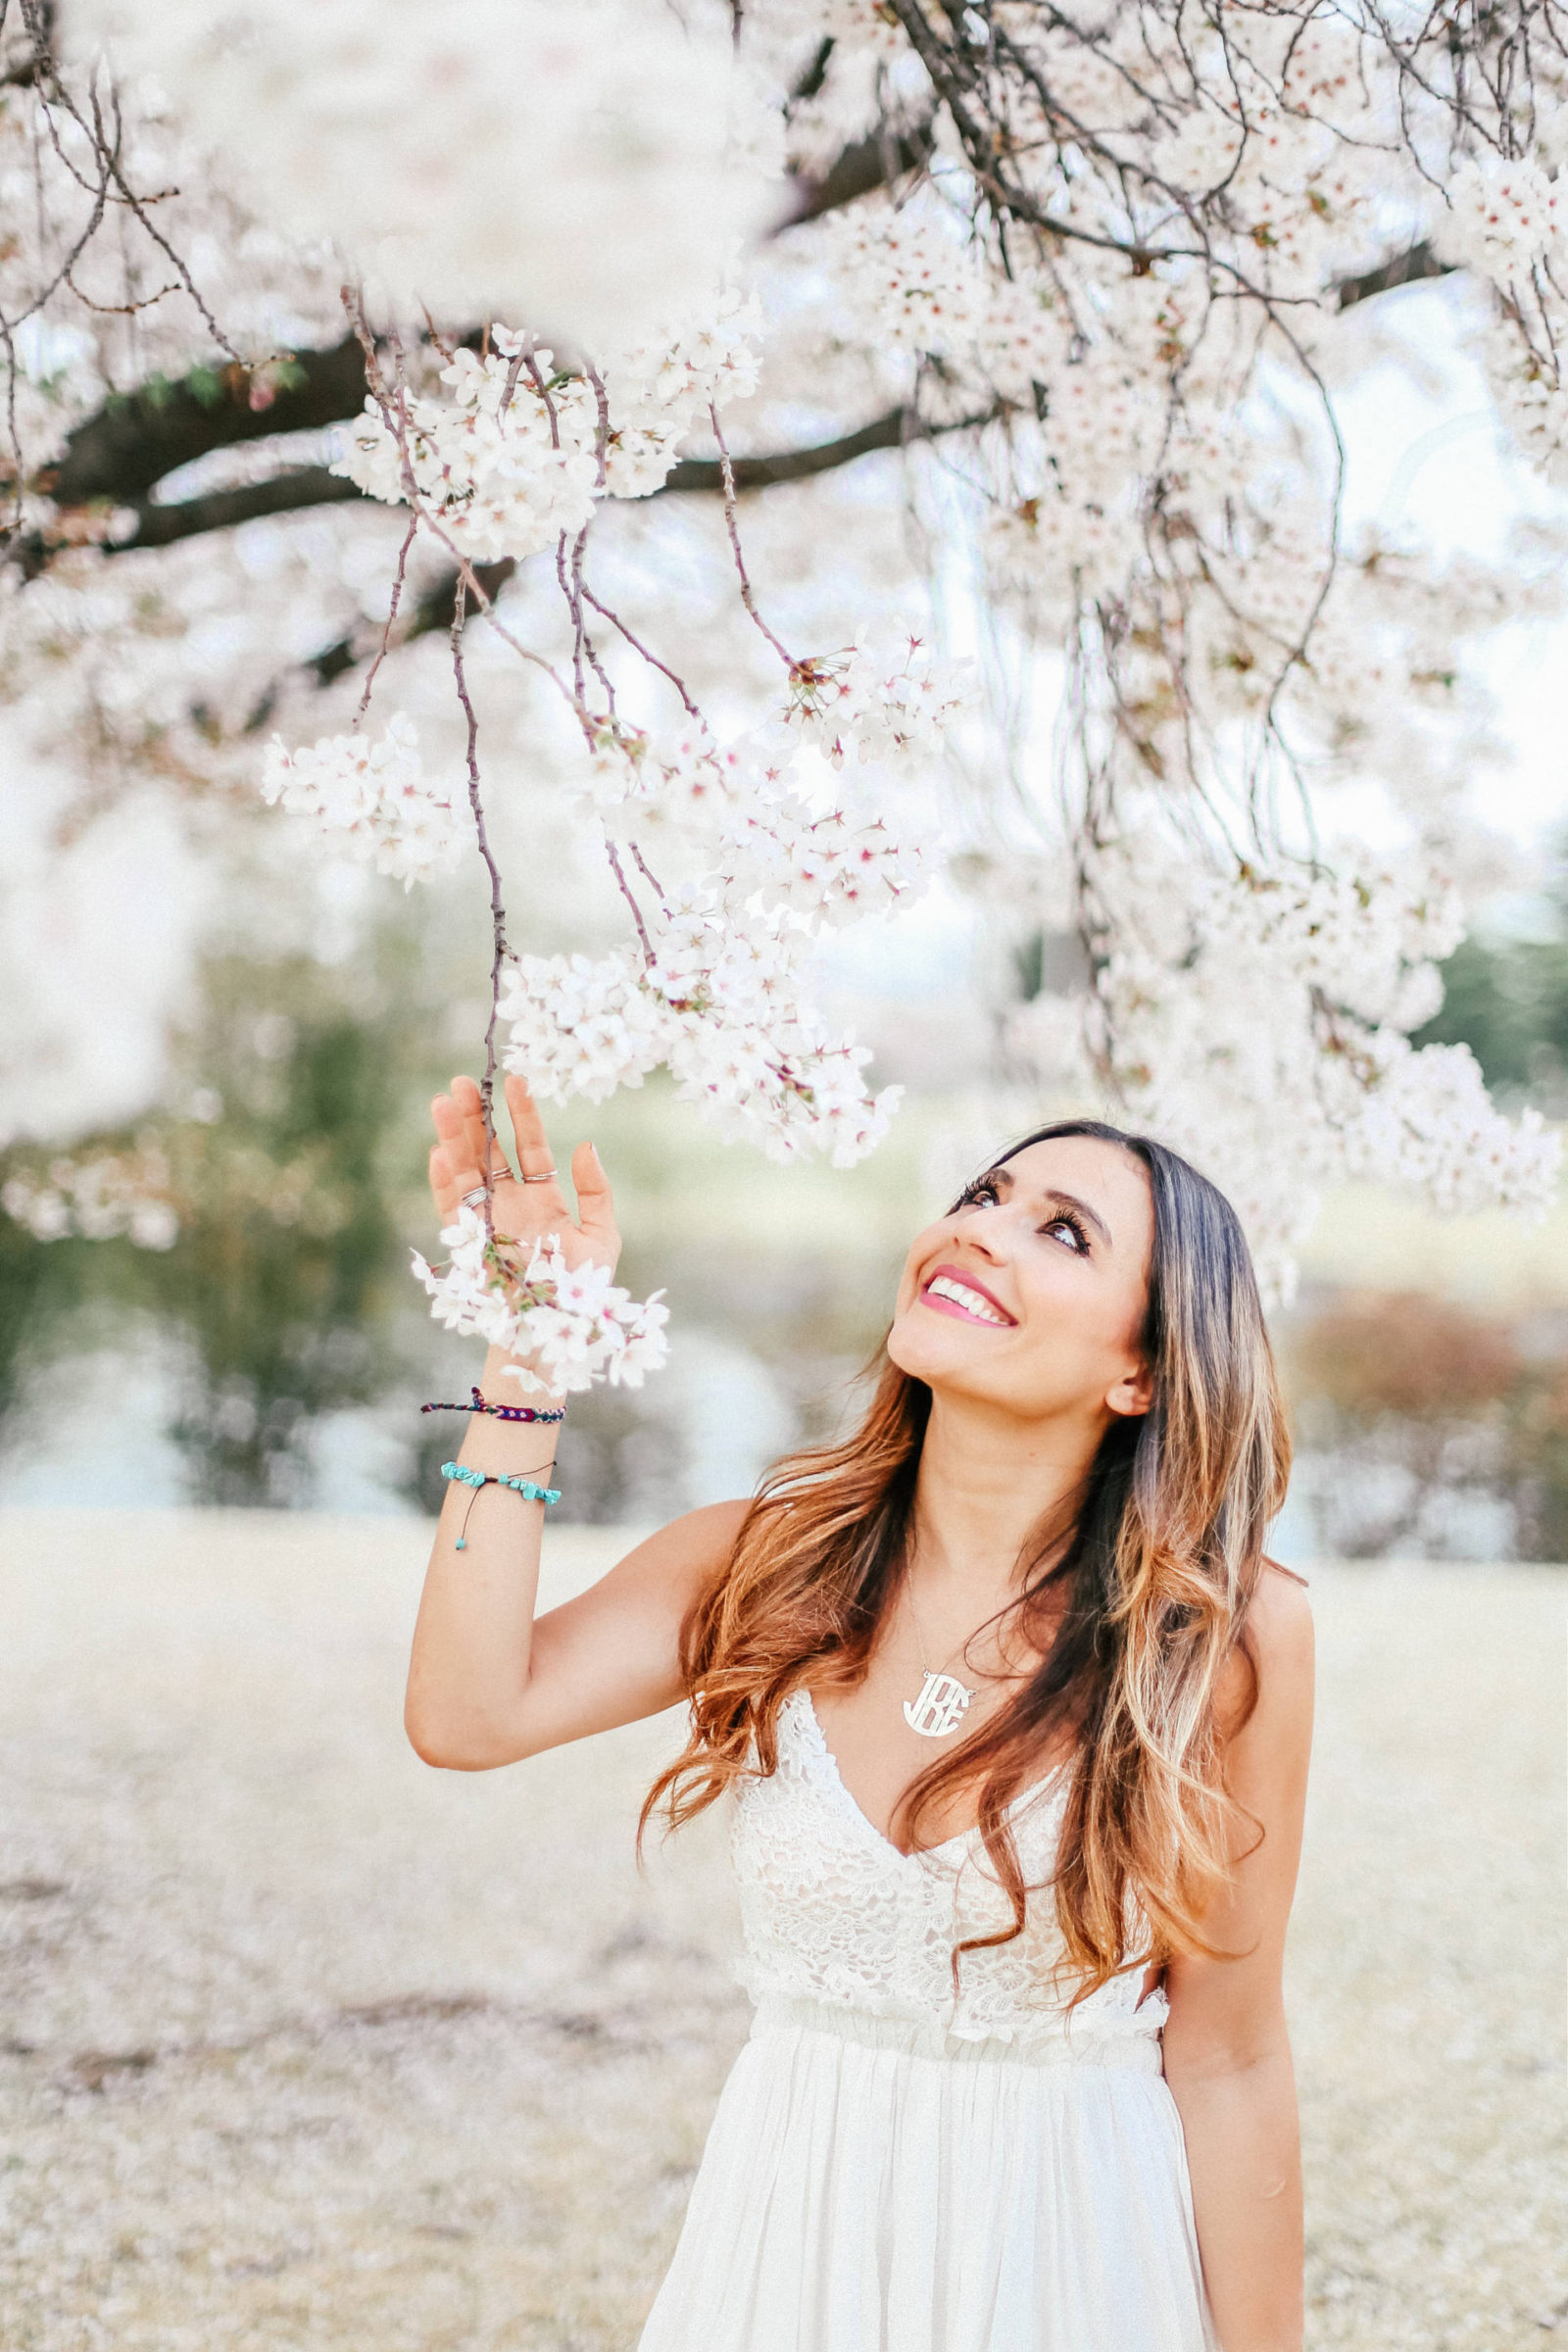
column 280, row 1279
column 278, row 1292
column 297, row 1174
column 1507, row 1001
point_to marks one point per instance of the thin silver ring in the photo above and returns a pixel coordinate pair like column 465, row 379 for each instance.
column 477, row 1197
column 548, row 1177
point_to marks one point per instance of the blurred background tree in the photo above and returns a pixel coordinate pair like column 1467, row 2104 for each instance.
column 292, row 1354
column 1506, row 997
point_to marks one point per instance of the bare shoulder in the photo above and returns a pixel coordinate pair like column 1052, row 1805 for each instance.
column 686, row 1554
column 649, row 1590
column 1280, row 1620
column 1280, row 1614
column 1266, row 1688
column 707, row 1534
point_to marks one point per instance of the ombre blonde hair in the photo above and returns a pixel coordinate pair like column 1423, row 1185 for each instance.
column 1134, row 1612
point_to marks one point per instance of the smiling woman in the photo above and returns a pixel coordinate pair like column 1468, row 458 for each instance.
column 1015, row 1717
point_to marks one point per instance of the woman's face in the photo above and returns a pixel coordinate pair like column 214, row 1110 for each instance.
column 1031, row 1294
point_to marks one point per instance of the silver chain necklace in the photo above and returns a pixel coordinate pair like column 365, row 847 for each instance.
column 942, row 1701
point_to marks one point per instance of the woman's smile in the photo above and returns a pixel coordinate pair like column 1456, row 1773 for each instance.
column 950, row 1292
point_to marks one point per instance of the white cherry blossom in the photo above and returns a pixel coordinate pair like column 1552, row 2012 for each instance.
column 373, row 794
column 1092, row 346
column 574, row 1325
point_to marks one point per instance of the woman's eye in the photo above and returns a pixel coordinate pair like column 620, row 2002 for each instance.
column 1073, row 1232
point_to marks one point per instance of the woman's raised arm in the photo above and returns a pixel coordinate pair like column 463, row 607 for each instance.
column 489, row 1683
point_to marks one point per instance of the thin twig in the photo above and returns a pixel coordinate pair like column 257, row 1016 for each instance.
column 733, row 527
column 638, row 647
column 620, row 872
column 499, row 949
column 391, row 617
column 648, row 871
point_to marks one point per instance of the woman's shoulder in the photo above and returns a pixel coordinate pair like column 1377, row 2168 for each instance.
column 1280, row 1614
column 1268, row 1676
column 680, row 1560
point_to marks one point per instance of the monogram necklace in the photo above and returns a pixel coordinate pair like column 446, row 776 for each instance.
column 944, row 1701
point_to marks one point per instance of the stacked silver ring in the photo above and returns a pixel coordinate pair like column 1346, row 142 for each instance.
column 481, row 1193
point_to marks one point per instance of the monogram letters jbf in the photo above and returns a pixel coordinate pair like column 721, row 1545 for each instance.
column 939, row 1708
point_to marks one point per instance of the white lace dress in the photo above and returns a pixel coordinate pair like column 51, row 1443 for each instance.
column 892, row 2170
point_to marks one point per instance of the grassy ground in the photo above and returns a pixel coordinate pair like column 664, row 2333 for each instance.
column 304, row 2047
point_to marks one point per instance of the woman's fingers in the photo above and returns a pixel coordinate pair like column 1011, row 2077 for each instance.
column 446, row 1185
column 595, row 1207
column 469, row 1104
column 536, row 1206
column 456, row 1147
column 534, row 1156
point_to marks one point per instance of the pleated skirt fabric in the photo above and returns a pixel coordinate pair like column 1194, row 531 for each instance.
column 860, row 2194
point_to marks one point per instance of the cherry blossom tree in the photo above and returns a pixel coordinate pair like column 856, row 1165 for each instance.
column 562, row 448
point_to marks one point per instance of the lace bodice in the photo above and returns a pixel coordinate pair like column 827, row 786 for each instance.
column 834, row 1913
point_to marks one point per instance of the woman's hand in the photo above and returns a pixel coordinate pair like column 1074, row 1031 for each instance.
column 523, row 1212
column 488, row 1685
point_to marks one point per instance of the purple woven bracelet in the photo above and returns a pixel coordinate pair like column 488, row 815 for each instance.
column 502, row 1412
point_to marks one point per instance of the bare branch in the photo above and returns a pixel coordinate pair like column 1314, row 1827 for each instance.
column 133, row 441
column 284, row 494
column 893, row 430
column 872, row 163
column 1402, row 271
column 732, row 526
column 434, row 610
column 305, row 486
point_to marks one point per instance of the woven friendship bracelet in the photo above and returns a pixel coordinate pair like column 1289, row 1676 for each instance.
column 502, row 1412
column 527, row 1488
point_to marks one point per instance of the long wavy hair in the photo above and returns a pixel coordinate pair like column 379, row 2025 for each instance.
column 1133, row 1612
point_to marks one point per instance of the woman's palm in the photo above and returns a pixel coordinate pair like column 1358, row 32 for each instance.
column 524, row 1212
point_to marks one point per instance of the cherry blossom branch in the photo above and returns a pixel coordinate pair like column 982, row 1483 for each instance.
column 732, row 525
column 394, row 416
column 620, row 872
column 638, row 647
column 499, row 949
column 398, row 580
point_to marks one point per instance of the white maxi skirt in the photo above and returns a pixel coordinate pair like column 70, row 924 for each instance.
column 864, row 2190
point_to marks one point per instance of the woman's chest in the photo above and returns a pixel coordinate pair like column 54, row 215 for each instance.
column 886, row 1733
column 831, row 1908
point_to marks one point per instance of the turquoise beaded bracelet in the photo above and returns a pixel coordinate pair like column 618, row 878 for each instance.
column 525, row 1487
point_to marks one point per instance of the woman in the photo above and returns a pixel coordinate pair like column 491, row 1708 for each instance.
column 1017, row 1717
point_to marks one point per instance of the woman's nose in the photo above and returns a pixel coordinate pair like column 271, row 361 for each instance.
column 982, row 1229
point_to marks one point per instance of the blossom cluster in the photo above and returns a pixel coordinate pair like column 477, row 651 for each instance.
column 887, row 695
column 389, row 132
column 750, row 819
column 1109, row 339
column 571, row 1324
column 101, row 1197
column 1227, row 1005
column 722, row 1008
column 373, row 794
column 1506, row 214
column 918, row 278
column 520, row 451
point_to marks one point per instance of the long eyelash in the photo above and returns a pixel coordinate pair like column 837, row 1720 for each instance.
column 984, row 1188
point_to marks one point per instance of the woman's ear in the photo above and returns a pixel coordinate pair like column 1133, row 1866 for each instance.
column 1134, row 1392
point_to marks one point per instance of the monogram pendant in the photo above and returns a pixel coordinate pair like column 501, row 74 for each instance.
column 939, row 1708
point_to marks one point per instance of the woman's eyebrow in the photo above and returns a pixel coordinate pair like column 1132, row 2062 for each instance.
column 1089, row 1216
